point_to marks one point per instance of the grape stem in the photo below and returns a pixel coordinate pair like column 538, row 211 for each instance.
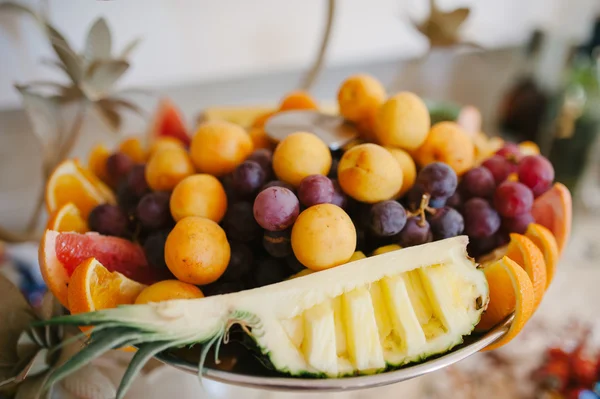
column 423, row 206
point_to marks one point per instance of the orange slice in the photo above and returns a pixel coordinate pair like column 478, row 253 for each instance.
column 525, row 253
column 554, row 210
column 71, row 183
column 93, row 287
column 545, row 241
column 510, row 291
column 97, row 162
column 67, row 218
column 133, row 148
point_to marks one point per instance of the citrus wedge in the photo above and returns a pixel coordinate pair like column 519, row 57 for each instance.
column 525, row 253
column 545, row 241
column 554, row 210
column 510, row 291
column 169, row 122
column 68, row 218
column 60, row 253
column 97, row 162
column 71, row 183
column 93, row 287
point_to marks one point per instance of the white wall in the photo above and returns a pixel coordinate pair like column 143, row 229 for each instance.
column 198, row 40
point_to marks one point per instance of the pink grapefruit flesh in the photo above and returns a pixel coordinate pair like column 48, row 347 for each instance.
column 168, row 122
column 554, row 210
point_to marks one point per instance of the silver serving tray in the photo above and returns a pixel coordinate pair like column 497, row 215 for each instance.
column 253, row 375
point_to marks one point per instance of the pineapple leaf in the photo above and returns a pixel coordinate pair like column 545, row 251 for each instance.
column 101, row 344
column 130, row 47
column 71, row 61
column 44, row 115
column 13, row 6
column 102, row 75
column 99, row 42
column 108, row 113
column 143, row 355
column 122, row 103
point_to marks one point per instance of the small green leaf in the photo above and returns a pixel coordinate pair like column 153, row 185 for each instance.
column 130, row 47
column 99, row 42
column 110, row 116
column 102, row 75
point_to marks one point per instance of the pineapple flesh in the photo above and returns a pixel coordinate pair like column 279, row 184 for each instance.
column 359, row 318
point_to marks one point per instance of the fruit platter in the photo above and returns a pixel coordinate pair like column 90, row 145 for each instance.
column 289, row 264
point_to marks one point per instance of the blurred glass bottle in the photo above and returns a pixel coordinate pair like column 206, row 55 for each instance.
column 569, row 138
column 524, row 104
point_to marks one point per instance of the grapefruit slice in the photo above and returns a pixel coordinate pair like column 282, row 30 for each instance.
column 61, row 253
column 554, row 210
column 169, row 122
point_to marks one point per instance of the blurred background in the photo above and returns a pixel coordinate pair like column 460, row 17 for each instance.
column 530, row 66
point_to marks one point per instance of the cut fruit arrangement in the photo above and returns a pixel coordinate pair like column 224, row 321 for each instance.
column 199, row 233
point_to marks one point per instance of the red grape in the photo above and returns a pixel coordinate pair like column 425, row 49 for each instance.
column 510, row 151
column 109, row 220
column 478, row 182
column 415, row 232
column 387, row 218
column 276, row 208
column 118, row 166
column 455, row 201
column 446, row 223
column 248, row 178
column 315, row 189
column 339, row 197
column 278, row 243
column 438, row 180
column 518, row 224
column 500, row 167
column 239, row 223
column 512, row 199
column 537, row 173
column 136, row 181
column 481, row 220
column 153, row 210
column 240, row 262
column 279, row 183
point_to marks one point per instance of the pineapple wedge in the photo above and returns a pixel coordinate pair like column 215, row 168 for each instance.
column 358, row 318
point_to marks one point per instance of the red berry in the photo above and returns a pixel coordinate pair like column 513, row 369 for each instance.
column 500, row 167
column 512, row 199
column 537, row 173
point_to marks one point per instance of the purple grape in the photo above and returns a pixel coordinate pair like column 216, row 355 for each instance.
column 279, row 183
column 222, row 287
column 315, row 189
column 248, row 178
column 109, row 220
column 118, row 166
column 481, row 246
column 154, row 248
column 437, row 203
column 263, row 157
column 126, row 199
column 446, row 222
column 478, row 182
column 239, row 223
column 361, row 239
column 240, row 262
column 455, row 201
column 294, row 264
column 438, row 180
column 518, row 224
column 270, row 271
column 136, row 181
column 387, row 218
column 276, row 208
column 334, row 168
column 512, row 199
column 278, row 243
column 413, row 197
column 415, row 232
column 481, row 220
column 153, row 210
column 232, row 196
column 339, row 196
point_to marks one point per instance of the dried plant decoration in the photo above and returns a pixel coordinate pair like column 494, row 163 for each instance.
column 93, row 75
column 442, row 29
